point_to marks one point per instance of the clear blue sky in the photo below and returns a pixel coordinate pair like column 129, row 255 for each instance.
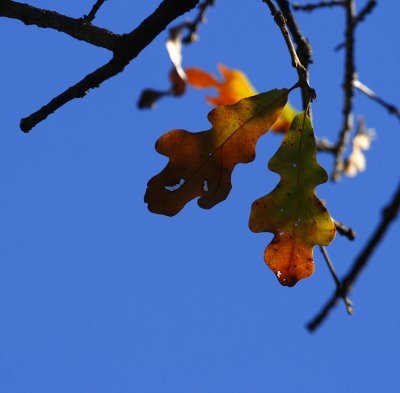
column 99, row 295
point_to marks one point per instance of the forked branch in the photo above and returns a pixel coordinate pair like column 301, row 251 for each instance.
column 124, row 47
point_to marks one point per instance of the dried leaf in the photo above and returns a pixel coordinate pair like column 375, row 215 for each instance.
column 234, row 87
column 200, row 164
column 174, row 49
column 357, row 161
column 178, row 85
column 292, row 212
column 149, row 98
column 177, row 77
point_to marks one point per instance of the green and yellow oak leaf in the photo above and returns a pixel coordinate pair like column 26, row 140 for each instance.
column 292, row 212
column 200, row 164
column 234, row 87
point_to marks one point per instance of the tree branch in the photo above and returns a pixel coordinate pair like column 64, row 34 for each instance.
column 350, row 76
column 302, row 73
column 78, row 90
column 368, row 8
column 321, row 4
column 389, row 214
column 129, row 46
column 325, row 145
column 344, row 230
column 92, row 14
column 193, row 26
column 76, row 28
column 392, row 109
column 346, row 300
column 303, row 49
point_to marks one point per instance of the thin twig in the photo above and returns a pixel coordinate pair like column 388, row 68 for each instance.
column 368, row 8
column 193, row 26
column 392, row 109
column 129, row 46
column 321, row 4
column 350, row 76
column 149, row 97
column 92, row 14
column 357, row 19
column 339, row 47
column 324, row 145
column 389, row 214
column 303, row 48
column 76, row 28
column 346, row 300
column 344, row 230
column 296, row 63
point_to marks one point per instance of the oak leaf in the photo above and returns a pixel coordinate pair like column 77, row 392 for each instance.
column 200, row 164
column 234, row 87
column 292, row 212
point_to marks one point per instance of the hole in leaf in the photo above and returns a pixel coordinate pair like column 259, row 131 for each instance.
column 176, row 186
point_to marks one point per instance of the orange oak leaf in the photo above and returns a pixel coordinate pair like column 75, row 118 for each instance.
column 200, row 164
column 234, row 87
column 292, row 212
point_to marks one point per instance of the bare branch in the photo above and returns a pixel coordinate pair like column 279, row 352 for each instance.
column 76, row 28
column 303, row 49
column 193, row 26
column 79, row 90
column 130, row 45
column 368, row 8
column 339, row 47
column 296, row 63
column 392, row 109
column 350, row 76
column 344, row 230
column 347, row 301
column 357, row 19
column 92, row 14
column 324, row 145
column 389, row 214
column 321, row 4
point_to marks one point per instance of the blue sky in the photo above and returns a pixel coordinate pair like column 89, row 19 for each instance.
column 99, row 295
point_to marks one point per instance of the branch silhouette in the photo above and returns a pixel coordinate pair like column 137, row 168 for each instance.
column 124, row 47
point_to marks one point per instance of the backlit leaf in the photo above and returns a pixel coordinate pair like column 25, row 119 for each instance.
column 285, row 119
column 200, row 164
column 292, row 212
column 234, row 87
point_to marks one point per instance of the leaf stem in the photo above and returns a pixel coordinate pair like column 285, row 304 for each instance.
column 309, row 93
